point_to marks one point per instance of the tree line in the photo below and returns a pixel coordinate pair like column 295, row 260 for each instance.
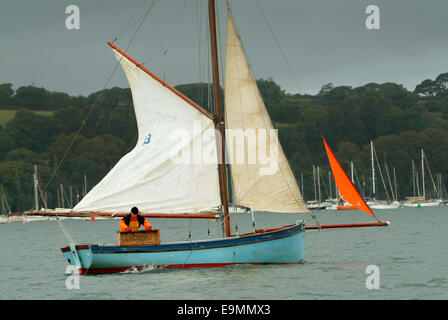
column 398, row 121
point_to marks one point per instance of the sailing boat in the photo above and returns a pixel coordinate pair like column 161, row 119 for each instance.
column 4, row 205
column 148, row 178
column 6, row 216
column 344, row 205
column 317, row 203
column 333, row 202
column 347, row 189
column 422, row 200
column 373, row 202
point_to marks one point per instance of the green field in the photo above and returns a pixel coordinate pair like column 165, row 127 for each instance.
column 7, row 115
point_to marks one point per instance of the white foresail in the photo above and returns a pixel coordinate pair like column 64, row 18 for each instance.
column 255, row 184
column 150, row 177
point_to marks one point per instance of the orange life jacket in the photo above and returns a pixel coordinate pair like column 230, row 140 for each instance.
column 133, row 222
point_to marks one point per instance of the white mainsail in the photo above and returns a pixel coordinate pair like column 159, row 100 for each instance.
column 149, row 177
column 245, row 111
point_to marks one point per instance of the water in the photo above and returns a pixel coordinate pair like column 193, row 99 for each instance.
column 411, row 255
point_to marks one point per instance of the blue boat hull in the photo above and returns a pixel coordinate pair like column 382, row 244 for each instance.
column 273, row 246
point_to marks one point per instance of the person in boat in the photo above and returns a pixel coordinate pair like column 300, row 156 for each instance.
column 133, row 221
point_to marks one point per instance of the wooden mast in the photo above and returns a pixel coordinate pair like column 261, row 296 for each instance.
column 219, row 119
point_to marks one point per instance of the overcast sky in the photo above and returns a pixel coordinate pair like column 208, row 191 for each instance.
column 323, row 41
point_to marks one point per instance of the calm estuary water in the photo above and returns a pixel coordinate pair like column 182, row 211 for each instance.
column 411, row 255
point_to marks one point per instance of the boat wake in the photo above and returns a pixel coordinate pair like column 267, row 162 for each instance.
column 140, row 269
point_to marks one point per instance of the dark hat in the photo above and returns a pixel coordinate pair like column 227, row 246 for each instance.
column 134, row 210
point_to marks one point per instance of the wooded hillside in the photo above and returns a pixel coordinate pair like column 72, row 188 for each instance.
column 399, row 122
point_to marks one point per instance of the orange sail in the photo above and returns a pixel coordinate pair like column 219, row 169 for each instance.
column 346, row 188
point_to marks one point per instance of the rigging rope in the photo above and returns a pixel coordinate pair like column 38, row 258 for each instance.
column 169, row 43
column 65, row 231
column 278, row 45
column 430, row 174
column 381, row 174
column 122, row 32
column 351, row 243
column 323, row 183
column 98, row 97
column 361, row 186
